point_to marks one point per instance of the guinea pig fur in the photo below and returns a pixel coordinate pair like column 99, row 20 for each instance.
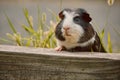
column 75, row 33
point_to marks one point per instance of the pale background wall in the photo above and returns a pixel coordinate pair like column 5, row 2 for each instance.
column 98, row 9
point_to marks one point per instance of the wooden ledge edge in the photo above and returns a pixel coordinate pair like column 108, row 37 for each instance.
column 52, row 52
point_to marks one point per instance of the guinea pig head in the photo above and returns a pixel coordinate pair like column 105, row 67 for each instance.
column 75, row 33
column 73, row 23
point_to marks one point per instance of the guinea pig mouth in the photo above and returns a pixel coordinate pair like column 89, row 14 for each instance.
column 67, row 34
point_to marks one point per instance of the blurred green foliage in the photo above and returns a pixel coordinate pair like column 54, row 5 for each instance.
column 42, row 37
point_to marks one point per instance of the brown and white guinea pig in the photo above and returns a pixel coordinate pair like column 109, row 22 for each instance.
column 75, row 33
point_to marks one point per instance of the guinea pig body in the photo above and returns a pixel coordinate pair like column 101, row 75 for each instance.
column 75, row 33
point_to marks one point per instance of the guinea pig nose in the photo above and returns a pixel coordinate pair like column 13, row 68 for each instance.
column 66, row 28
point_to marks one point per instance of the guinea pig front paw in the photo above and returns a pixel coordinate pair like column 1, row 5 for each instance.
column 59, row 48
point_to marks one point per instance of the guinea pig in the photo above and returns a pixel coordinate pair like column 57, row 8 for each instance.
column 75, row 33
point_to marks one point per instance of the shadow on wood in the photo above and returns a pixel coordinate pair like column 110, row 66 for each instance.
column 22, row 63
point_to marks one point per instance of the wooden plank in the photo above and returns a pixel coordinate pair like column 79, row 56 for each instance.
column 22, row 63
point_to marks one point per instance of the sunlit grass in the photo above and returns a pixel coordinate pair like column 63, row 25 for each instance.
column 42, row 37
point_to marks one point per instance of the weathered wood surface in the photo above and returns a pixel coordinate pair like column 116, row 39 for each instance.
column 22, row 63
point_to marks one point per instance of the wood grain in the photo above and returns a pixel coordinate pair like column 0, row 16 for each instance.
column 23, row 63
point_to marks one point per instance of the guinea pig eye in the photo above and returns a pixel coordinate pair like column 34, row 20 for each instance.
column 77, row 19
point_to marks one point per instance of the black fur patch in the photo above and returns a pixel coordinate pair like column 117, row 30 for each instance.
column 95, row 47
column 58, row 32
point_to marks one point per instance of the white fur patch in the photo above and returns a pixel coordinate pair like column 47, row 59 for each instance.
column 76, row 31
column 69, row 45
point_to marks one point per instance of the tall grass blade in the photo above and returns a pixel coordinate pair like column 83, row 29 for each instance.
column 47, row 39
column 28, row 29
column 28, row 43
column 5, row 40
column 109, row 43
column 18, row 39
column 26, row 13
column 102, row 34
column 44, row 17
column 11, row 25
column 10, row 36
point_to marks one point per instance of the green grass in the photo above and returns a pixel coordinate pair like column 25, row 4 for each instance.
column 36, row 38
column 109, row 42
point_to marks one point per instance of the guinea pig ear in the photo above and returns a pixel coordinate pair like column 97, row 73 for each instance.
column 61, row 15
column 86, row 17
